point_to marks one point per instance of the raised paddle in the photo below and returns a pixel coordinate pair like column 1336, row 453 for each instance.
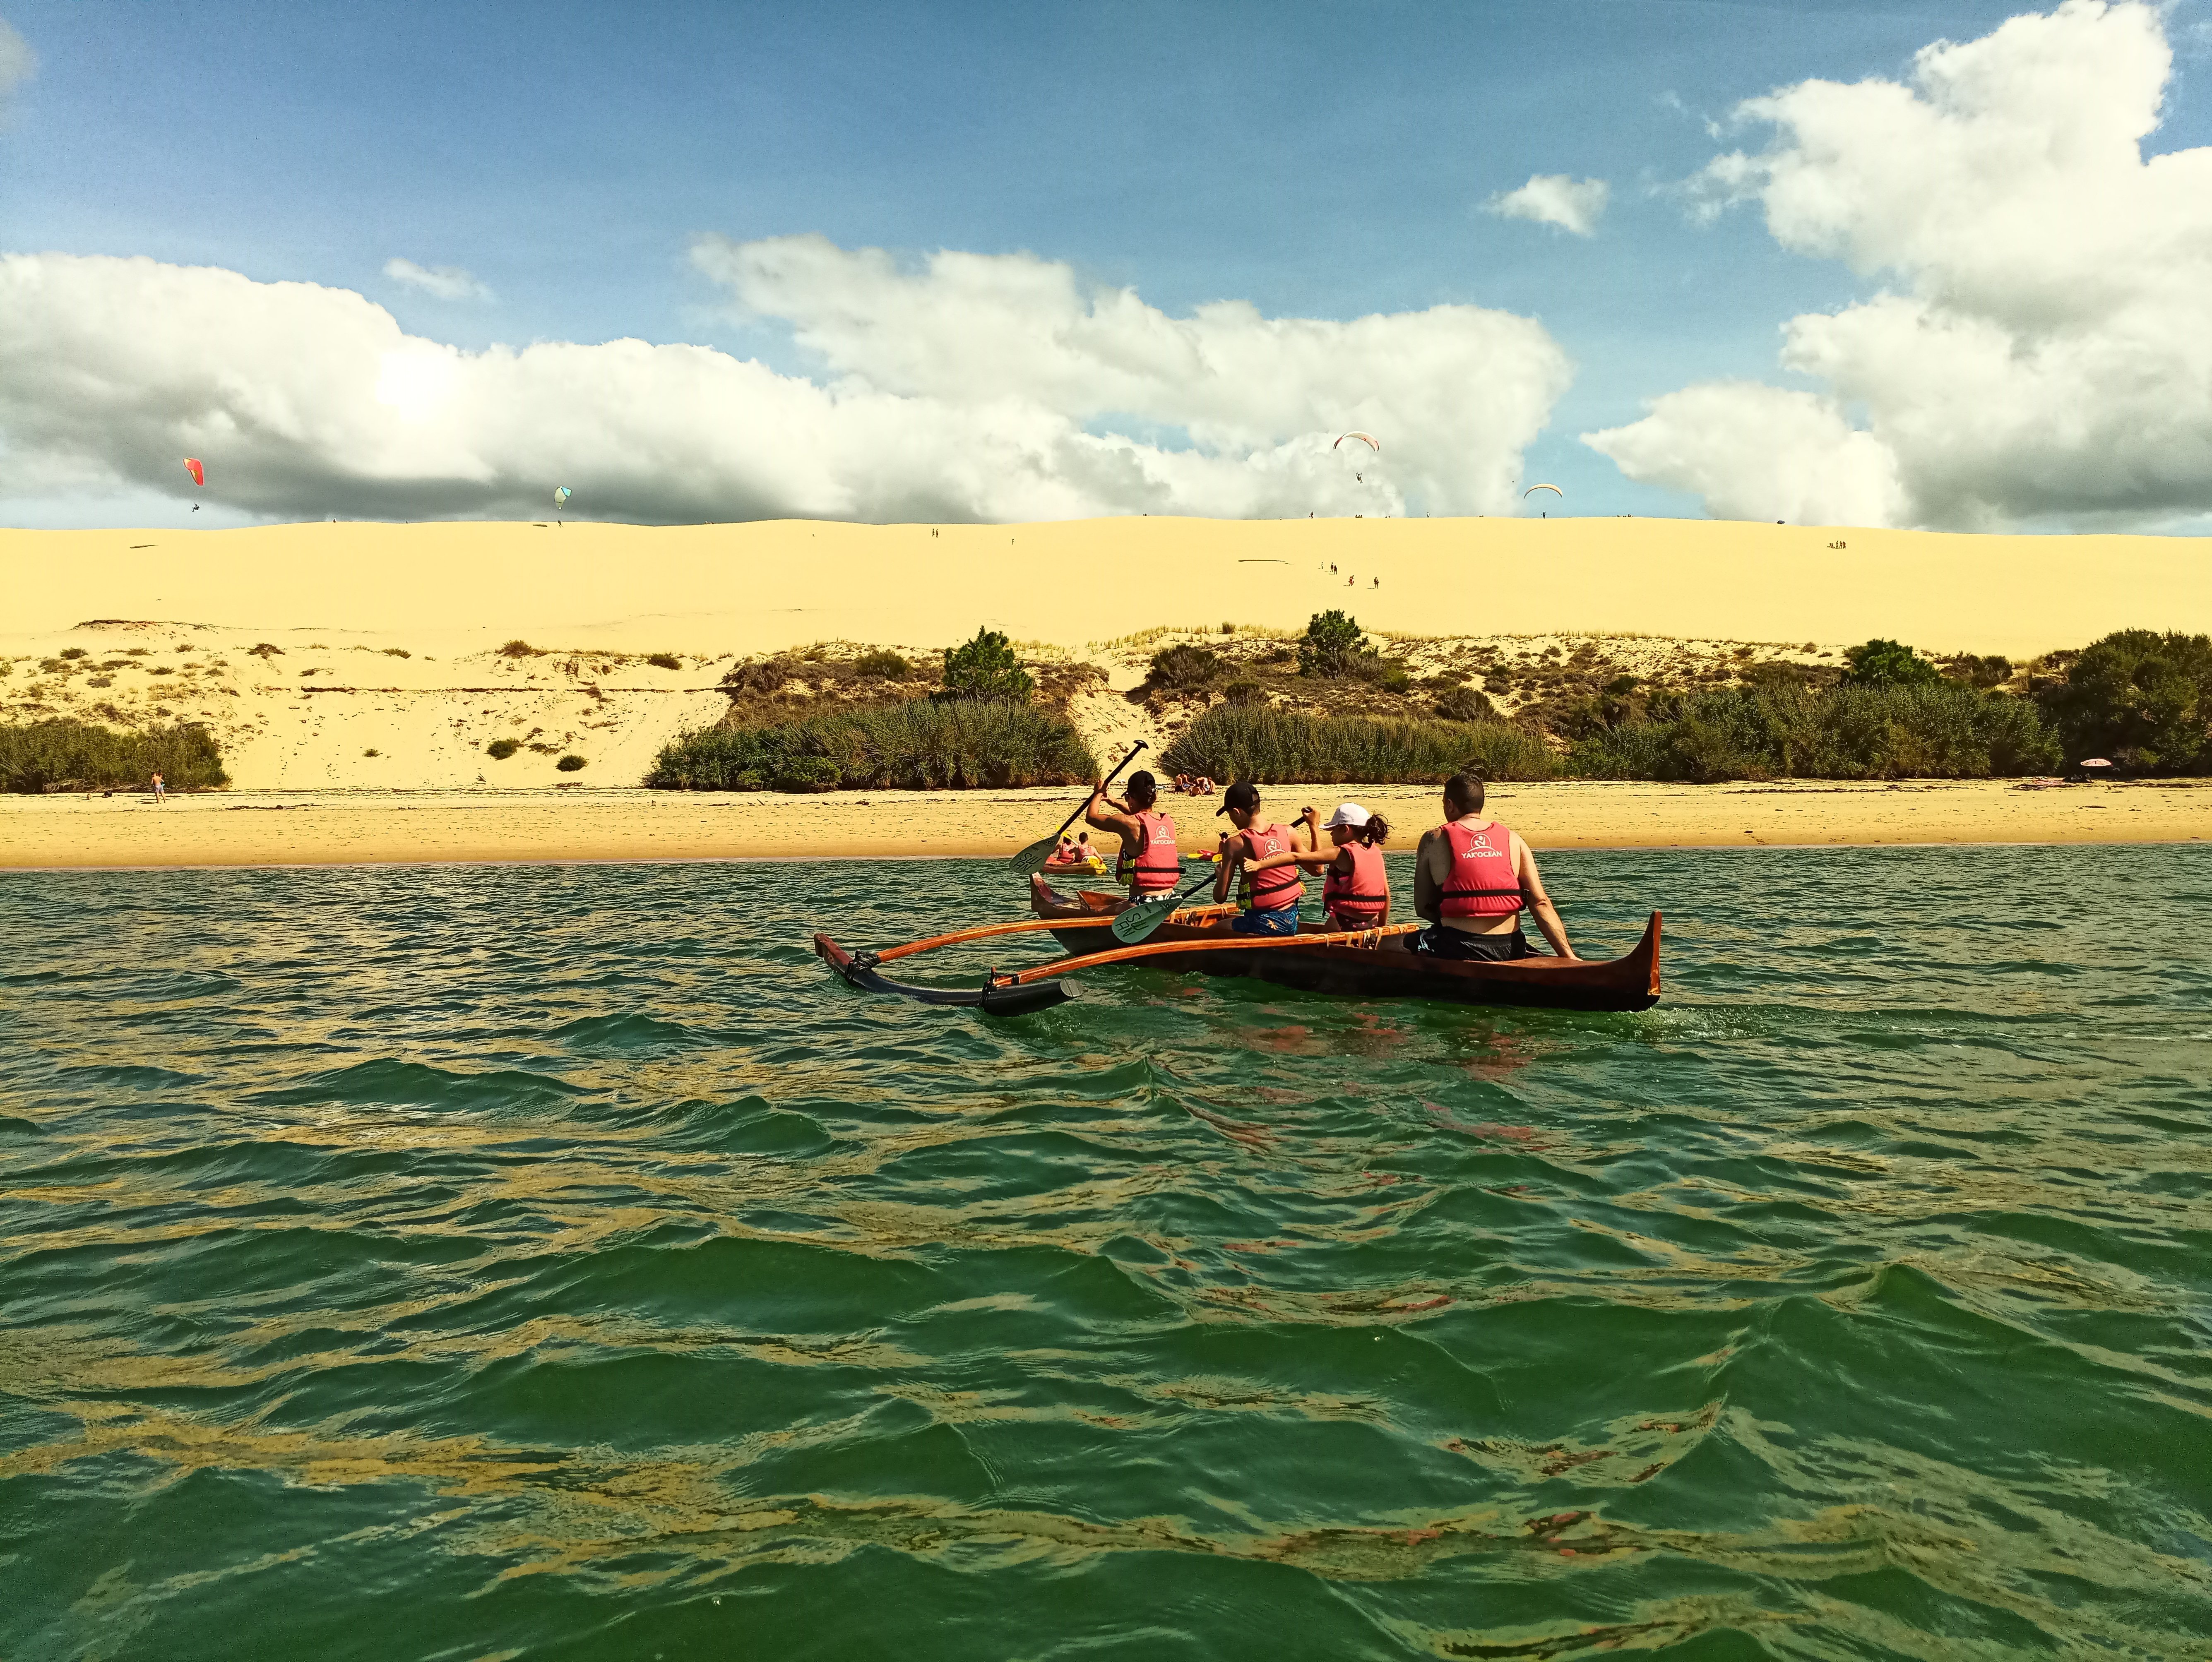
column 1032, row 858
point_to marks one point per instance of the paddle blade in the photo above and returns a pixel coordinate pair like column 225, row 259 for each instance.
column 1032, row 858
column 1136, row 921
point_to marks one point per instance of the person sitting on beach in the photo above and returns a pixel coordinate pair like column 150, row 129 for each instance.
column 1269, row 894
column 1472, row 876
column 1201, row 786
column 1148, row 862
column 1355, row 894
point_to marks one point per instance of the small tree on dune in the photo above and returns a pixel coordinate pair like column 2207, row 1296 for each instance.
column 1886, row 663
column 1332, row 641
column 986, row 668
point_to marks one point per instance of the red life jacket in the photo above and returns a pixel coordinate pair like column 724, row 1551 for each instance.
column 1157, row 867
column 1483, row 883
column 1270, row 891
column 1360, row 899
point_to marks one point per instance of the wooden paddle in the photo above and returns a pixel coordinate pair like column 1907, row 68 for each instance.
column 1032, row 858
column 1141, row 917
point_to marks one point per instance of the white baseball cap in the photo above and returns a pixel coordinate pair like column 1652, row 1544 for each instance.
column 1347, row 813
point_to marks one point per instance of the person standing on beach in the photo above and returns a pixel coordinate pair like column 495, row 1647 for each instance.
column 1472, row 876
column 160, row 791
column 1271, row 892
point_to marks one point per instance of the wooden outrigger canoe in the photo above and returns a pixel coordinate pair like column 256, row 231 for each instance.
column 1353, row 966
column 1363, row 963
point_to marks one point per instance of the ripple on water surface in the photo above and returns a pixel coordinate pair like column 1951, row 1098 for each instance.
column 482, row 1261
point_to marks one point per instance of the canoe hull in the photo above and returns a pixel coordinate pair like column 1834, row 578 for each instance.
column 1387, row 971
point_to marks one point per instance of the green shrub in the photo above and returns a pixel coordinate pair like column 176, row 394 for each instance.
column 1271, row 746
column 62, row 753
column 1886, row 663
column 2141, row 697
column 500, row 749
column 396, row 651
column 1933, row 728
column 883, row 664
column 569, row 764
column 263, row 651
column 920, row 744
column 75, row 652
column 761, row 679
column 1184, row 666
column 1332, row 639
column 986, row 668
column 1466, row 704
column 1983, row 672
column 665, row 661
column 1245, row 692
column 512, row 649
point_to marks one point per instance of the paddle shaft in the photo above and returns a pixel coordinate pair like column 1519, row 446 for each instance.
column 1046, row 843
column 985, row 930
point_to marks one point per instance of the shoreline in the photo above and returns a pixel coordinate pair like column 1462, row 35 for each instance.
column 277, row 829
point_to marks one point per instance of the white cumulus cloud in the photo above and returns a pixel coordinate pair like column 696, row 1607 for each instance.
column 1572, row 204
column 972, row 387
column 2046, row 353
column 446, row 282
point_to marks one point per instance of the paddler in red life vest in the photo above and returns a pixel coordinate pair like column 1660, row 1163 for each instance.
column 1148, row 861
column 1356, row 892
column 1472, row 876
column 1271, row 891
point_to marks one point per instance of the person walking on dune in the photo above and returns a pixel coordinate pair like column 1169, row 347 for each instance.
column 1472, row 876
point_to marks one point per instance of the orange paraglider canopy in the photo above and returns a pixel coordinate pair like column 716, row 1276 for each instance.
column 192, row 466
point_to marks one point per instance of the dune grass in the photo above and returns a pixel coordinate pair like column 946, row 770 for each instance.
column 63, row 754
column 1938, row 730
column 1268, row 746
column 921, row 744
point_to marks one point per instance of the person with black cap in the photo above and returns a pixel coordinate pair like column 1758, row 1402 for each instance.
column 1149, row 862
column 1472, row 876
column 1271, row 894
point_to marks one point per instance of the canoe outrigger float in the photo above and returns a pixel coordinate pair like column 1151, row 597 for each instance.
column 1358, row 963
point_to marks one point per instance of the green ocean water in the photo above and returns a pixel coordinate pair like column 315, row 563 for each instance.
column 559, row 1262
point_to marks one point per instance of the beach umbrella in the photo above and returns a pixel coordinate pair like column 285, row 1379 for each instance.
column 2096, row 761
column 192, row 466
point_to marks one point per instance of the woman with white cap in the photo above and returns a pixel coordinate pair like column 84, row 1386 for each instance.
column 1356, row 893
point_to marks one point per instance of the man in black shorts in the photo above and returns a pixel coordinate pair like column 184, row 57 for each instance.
column 1472, row 876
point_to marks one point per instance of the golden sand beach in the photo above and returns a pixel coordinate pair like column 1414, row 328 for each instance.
column 376, row 828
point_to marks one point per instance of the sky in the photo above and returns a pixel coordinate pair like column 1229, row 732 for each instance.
column 1946, row 264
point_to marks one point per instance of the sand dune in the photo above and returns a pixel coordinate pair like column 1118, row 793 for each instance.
column 451, row 589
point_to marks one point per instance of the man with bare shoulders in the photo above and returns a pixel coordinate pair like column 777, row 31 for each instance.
column 1472, row 876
